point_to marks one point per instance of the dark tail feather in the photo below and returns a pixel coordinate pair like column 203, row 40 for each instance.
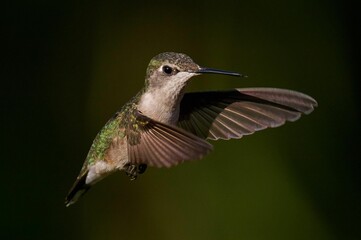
column 79, row 189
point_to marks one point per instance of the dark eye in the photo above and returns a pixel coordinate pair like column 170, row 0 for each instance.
column 166, row 69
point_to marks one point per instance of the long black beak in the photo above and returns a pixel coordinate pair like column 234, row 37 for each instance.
column 217, row 71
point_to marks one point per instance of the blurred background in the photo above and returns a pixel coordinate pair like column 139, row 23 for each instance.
column 68, row 66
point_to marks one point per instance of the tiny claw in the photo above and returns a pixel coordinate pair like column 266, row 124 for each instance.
column 131, row 171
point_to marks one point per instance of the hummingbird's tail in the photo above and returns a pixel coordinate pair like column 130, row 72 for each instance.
column 79, row 189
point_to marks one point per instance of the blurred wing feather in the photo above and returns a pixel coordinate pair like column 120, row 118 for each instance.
column 160, row 145
column 232, row 114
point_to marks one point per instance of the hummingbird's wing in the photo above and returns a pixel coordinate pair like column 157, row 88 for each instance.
column 232, row 114
column 160, row 145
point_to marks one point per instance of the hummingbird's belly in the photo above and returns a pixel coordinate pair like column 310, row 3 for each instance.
column 117, row 153
column 115, row 158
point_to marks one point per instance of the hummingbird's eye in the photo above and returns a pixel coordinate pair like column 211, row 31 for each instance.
column 168, row 70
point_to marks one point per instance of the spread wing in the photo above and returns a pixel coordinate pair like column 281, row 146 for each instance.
column 232, row 114
column 160, row 145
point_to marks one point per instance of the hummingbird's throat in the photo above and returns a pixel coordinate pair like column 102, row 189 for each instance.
column 162, row 103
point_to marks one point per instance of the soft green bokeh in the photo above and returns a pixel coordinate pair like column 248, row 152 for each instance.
column 70, row 66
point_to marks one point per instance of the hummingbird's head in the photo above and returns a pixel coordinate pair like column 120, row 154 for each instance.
column 177, row 68
column 170, row 66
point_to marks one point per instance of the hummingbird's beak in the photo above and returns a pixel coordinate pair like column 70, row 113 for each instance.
column 217, row 71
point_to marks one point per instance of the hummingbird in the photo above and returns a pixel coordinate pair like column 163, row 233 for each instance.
column 163, row 125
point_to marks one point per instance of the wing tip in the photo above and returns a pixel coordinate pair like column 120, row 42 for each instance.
column 302, row 102
column 312, row 106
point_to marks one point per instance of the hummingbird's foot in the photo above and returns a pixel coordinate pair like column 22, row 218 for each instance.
column 132, row 170
column 141, row 168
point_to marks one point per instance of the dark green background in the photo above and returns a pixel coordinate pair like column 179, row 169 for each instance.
column 68, row 66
